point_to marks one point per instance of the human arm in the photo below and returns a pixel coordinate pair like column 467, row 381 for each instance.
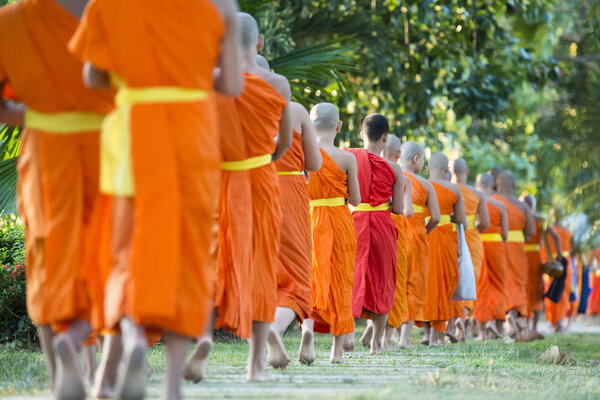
column 483, row 217
column 433, row 207
column 408, row 206
column 284, row 137
column 398, row 191
column 353, row 185
column 504, row 224
column 310, row 147
column 529, row 230
column 229, row 80
column 459, row 216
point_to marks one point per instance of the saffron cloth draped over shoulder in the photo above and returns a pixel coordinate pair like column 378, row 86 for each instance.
column 375, row 269
column 160, row 148
column 535, row 287
column 557, row 311
column 333, row 249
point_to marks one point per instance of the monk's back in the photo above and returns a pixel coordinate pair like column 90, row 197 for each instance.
column 329, row 181
column 36, row 62
column 495, row 218
column 516, row 217
column 375, row 176
column 158, row 42
column 446, row 198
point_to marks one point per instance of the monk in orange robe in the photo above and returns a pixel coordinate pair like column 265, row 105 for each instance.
column 424, row 199
column 442, row 276
column 333, row 238
column 521, row 228
column 58, row 168
column 557, row 313
column 490, row 308
column 375, row 274
column 477, row 218
column 392, row 153
column 246, row 291
column 163, row 113
column 594, row 302
column 294, row 276
column 535, row 287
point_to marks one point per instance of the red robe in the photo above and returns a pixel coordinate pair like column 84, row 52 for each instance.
column 375, row 266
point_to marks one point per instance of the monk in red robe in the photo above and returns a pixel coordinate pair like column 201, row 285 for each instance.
column 594, row 302
column 333, row 239
column 375, row 274
column 163, row 113
column 294, row 276
column 392, row 153
column 58, row 169
column 442, row 278
column 246, row 292
column 478, row 221
column 521, row 228
column 424, row 200
column 490, row 306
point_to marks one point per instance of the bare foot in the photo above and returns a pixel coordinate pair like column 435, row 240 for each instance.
column 365, row 340
column 306, row 354
column 195, row 369
column 68, row 384
column 479, row 338
column 276, row 354
column 336, row 356
column 461, row 330
column 405, row 345
column 258, row 376
column 348, row 345
column 451, row 336
column 493, row 329
column 131, row 383
column 512, row 323
column 425, row 342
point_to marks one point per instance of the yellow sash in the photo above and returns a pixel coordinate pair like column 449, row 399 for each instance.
column 285, row 173
column 116, row 175
column 247, row 164
column 471, row 221
column 368, row 207
column 516, row 237
column 491, row 237
column 331, row 202
column 445, row 220
column 532, row 247
column 418, row 209
column 64, row 122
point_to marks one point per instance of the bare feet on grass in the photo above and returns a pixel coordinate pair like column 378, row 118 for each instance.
column 277, row 356
column 68, row 383
column 365, row 340
column 195, row 369
column 306, row 355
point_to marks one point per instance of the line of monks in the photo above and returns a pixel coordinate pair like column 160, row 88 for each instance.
column 175, row 188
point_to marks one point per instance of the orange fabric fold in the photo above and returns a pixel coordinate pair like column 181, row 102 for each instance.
column 535, row 287
column 416, row 257
column 333, row 251
column 555, row 312
column 400, row 304
column 174, row 199
column 58, row 174
column 294, row 272
column 249, row 209
column 490, row 285
column 516, row 276
column 442, row 276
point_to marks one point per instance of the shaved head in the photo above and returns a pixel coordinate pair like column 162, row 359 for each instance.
column 485, row 181
column 495, row 171
column 530, row 201
column 438, row 162
column 459, row 166
column 505, row 181
column 262, row 62
column 325, row 117
column 393, row 143
column 248, row 30
column 410, row 150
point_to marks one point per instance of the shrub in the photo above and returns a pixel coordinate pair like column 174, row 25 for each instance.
column 16, row 328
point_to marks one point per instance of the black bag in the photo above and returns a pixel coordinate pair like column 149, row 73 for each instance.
column 556, row 289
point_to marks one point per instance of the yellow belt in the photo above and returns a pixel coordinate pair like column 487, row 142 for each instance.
column 331, row 202
column 471, row 221
column 116, row 176
column 284, row 173
column 516, row 237
column 247, row 164
column 532, row 247
column 564, row 254
column 64, row 122
column 368, row 207
column 418, row 208
column 444, row 220
column 491, row 237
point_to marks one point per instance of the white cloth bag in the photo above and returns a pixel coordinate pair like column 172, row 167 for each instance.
column 466, row 289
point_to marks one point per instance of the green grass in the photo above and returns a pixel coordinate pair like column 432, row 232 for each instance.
column 491, row 370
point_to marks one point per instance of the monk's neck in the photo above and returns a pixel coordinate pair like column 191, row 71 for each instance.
column 505, row 193
column 410, row 168
column 462, row 180
column 374, row 149
column 325, row 138
column 249, row 60
column 436, row 178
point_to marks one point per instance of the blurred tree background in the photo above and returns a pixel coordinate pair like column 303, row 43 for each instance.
column 513, row 83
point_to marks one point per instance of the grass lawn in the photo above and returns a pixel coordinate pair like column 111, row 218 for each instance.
column 473, row 370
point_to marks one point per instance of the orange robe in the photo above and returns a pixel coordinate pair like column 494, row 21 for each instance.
column 161, row 277
column 515, row 278
column 535, row 289
column 594, row 301
column 58, row 173
column 416, row 257
column 442, row 276
column 472, row 201
column 555, row 312
column 333, row 251
column 375, row 273
column 490, row 285
column 399, row 309
column 294, row 273
column 249, row 209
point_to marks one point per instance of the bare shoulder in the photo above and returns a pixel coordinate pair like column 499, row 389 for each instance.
column 227, row 8
column 455, row 188
column 396, row 168
column 500, row 205
column 479, row 193
column 426, row 184
column 279, row 82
